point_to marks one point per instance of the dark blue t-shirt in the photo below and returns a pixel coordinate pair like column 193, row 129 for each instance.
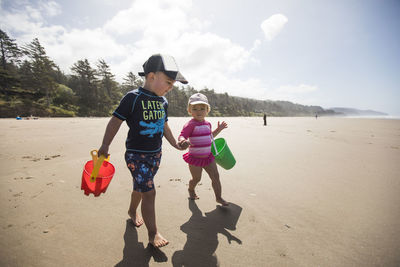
column 145, row 113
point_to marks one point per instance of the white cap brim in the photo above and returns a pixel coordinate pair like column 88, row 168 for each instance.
column 199, row 102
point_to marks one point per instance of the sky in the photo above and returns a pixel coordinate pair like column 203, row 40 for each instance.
column 329, row 53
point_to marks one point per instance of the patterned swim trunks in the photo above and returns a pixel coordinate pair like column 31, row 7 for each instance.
column 143, row 168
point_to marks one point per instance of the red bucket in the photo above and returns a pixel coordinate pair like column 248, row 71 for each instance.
column 102, row 181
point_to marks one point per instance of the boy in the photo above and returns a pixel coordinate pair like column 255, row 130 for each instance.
column 145, row 112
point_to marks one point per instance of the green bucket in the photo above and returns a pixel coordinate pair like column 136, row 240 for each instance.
column 223, row 155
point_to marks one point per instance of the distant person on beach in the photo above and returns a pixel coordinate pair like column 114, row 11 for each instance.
column 145, row 112
column 265, row 119
column 197, row 133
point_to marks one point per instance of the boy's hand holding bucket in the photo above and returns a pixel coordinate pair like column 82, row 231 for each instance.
column 97, row 174
column 103, row 151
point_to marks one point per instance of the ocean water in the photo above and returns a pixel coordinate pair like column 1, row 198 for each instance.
column 389, row 117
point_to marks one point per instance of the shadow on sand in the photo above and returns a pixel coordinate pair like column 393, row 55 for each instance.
column 202, row 235
column 135, row 254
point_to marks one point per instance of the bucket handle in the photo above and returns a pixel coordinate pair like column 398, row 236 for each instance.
column 215, row 147
column 95, row 156
column 97, row 162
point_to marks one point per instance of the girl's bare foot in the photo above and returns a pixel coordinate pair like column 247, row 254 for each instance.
column 222, row 202
column 158, row 241
column 136, row 219
column 192, row 194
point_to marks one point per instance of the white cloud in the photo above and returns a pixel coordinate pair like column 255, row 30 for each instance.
column 211, row 52
column 79, row 44
column 21, row 23
column 50, row 8
column 168, row 28
column 256, row 44
column 150, row 26
column 273, row 26
column 33, row 13
column 236, row 86
column 159, row 17
column 147, row 27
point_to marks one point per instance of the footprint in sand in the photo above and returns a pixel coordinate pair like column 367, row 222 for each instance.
column 38, row 159
column 50, row 214
column 8, row 226
column 30, row 224
column 22, row 178
column 34, row 196
column 176, row 179
column 52, row 157
column 18, row 194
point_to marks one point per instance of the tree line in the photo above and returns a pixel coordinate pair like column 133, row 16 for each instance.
column 31, row 83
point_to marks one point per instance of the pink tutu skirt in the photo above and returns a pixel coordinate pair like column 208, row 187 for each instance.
column 200, row 162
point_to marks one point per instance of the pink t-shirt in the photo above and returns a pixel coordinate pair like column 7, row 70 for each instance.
column 199, row 134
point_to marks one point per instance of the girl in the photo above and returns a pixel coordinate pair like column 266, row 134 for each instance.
column 197, row 133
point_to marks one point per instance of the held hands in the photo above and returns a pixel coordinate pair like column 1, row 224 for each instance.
column 183, row 144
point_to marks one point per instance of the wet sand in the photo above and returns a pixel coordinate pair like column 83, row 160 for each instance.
column 304, row 192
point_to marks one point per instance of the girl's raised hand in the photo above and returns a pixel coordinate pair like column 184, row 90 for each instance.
column 222, row 125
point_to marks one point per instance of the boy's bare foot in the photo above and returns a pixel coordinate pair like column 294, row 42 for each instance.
column 158, row 241
column 222, row 202
column 136, row 219
column 192, row 194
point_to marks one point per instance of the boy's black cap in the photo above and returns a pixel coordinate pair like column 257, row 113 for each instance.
column 164, row 63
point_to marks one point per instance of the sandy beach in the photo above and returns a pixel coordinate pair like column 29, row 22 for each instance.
column 304, row 192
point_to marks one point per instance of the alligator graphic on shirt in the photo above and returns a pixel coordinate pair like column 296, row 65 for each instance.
column 152, row 128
